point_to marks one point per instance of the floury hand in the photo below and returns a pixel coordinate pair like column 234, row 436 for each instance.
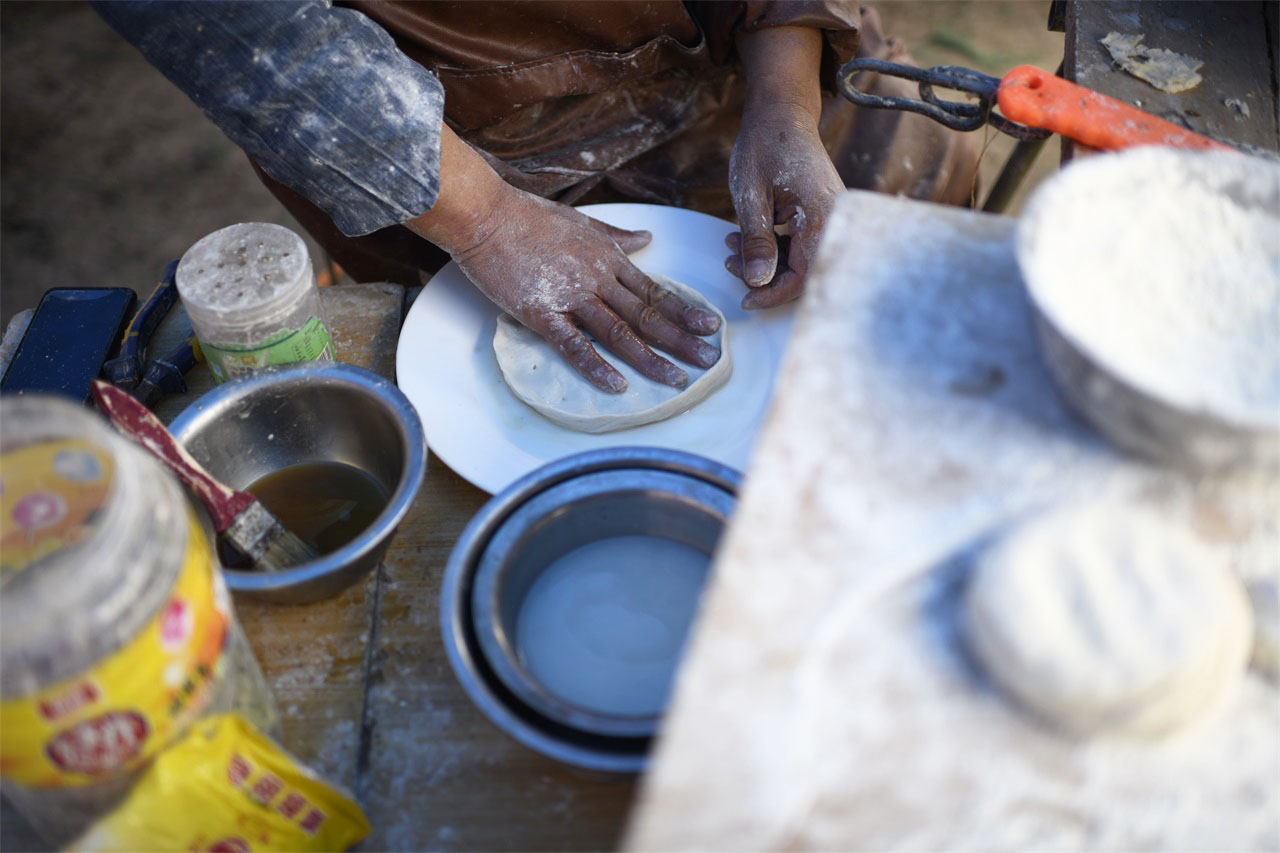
column 563, row 275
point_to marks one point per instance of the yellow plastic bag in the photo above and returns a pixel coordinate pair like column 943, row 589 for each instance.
column 226, row 787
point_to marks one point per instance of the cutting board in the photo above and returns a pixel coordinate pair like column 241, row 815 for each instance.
column 826, row 701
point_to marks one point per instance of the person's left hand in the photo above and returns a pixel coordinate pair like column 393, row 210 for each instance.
column 780, row 174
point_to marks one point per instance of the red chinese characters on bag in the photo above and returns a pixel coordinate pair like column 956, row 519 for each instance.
column 99, row 745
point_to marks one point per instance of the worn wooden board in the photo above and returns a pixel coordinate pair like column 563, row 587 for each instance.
column 825, row 701
column 1231, row 38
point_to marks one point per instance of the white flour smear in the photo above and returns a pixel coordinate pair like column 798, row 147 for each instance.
column 1165, row 267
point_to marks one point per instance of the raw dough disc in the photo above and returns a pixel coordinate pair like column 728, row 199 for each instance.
column 1108, row 617
column 536, row 373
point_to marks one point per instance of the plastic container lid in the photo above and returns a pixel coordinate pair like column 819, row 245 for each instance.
column 244, row 275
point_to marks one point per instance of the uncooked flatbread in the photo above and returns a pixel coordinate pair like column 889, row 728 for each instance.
column 539, row 376
column 1107, row 617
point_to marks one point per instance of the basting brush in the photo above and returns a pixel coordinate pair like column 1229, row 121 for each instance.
column 239, row 518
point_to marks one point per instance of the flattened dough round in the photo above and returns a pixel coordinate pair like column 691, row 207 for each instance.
column 1107, row 617
column 536, row 373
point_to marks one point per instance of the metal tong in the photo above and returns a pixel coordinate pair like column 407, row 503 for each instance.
column 1033, row 105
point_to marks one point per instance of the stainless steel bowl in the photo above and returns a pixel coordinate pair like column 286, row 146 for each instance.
column 1109, row 205
column 561, row 506
column 310, row 412
column 1143, row 424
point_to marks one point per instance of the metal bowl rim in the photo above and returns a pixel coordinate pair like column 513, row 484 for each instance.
column 455, row 589
column 398, row 503
column 1207, row 416
column 499, row 648
column 1030, row 228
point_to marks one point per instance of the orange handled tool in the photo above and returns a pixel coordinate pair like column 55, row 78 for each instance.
column 1034, row 104
column 1038, row 99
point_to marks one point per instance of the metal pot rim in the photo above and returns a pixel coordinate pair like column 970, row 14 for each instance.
column 1136, row 416
column 593, row 752
column 336, row 374
column 491, row 567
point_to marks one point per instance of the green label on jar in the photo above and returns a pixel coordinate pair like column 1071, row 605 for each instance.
column 310, row 343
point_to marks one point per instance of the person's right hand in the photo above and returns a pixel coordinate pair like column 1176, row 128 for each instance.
column 565, row 276
column 562, row 274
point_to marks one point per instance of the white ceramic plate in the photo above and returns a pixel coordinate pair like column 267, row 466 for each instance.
column 446, row 367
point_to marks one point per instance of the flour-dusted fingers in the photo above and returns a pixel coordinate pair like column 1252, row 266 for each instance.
column 801, row 245
column 733, row 264
column 576, row 349
column 547, row 265
column 786, row 286
column 753, row 199
column 780, row 173
column 617, row 336
column 690, row 318
column 794, row 252
column 628, row 241
column 657, row 330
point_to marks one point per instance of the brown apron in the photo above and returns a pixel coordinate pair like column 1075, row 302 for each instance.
column 587, row 101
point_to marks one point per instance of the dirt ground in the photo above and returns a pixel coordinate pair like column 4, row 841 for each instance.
column 107, row 171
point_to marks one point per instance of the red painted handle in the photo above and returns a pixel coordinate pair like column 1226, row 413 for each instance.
column 1039, row 99
column 138, row 423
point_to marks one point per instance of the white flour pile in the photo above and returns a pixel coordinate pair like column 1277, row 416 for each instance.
column 1165, row 266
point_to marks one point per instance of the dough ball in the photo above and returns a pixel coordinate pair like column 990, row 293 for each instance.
column 1264, row 595
column 1108, row 618
column 539, row 376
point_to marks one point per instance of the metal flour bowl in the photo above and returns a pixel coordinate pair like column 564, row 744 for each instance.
column 577, row 500
column 310, row 412
column 1168, row 225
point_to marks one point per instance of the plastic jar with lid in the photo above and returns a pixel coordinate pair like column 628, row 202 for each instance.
column 251, row 295
column 116, row 629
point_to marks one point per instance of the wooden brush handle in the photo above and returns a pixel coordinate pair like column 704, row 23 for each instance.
column 1036, row 98
column 138, row 423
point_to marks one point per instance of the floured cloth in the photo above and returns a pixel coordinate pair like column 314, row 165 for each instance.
column 319, row 97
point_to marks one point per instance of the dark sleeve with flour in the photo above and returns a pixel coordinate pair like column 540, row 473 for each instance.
column 318, row 96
